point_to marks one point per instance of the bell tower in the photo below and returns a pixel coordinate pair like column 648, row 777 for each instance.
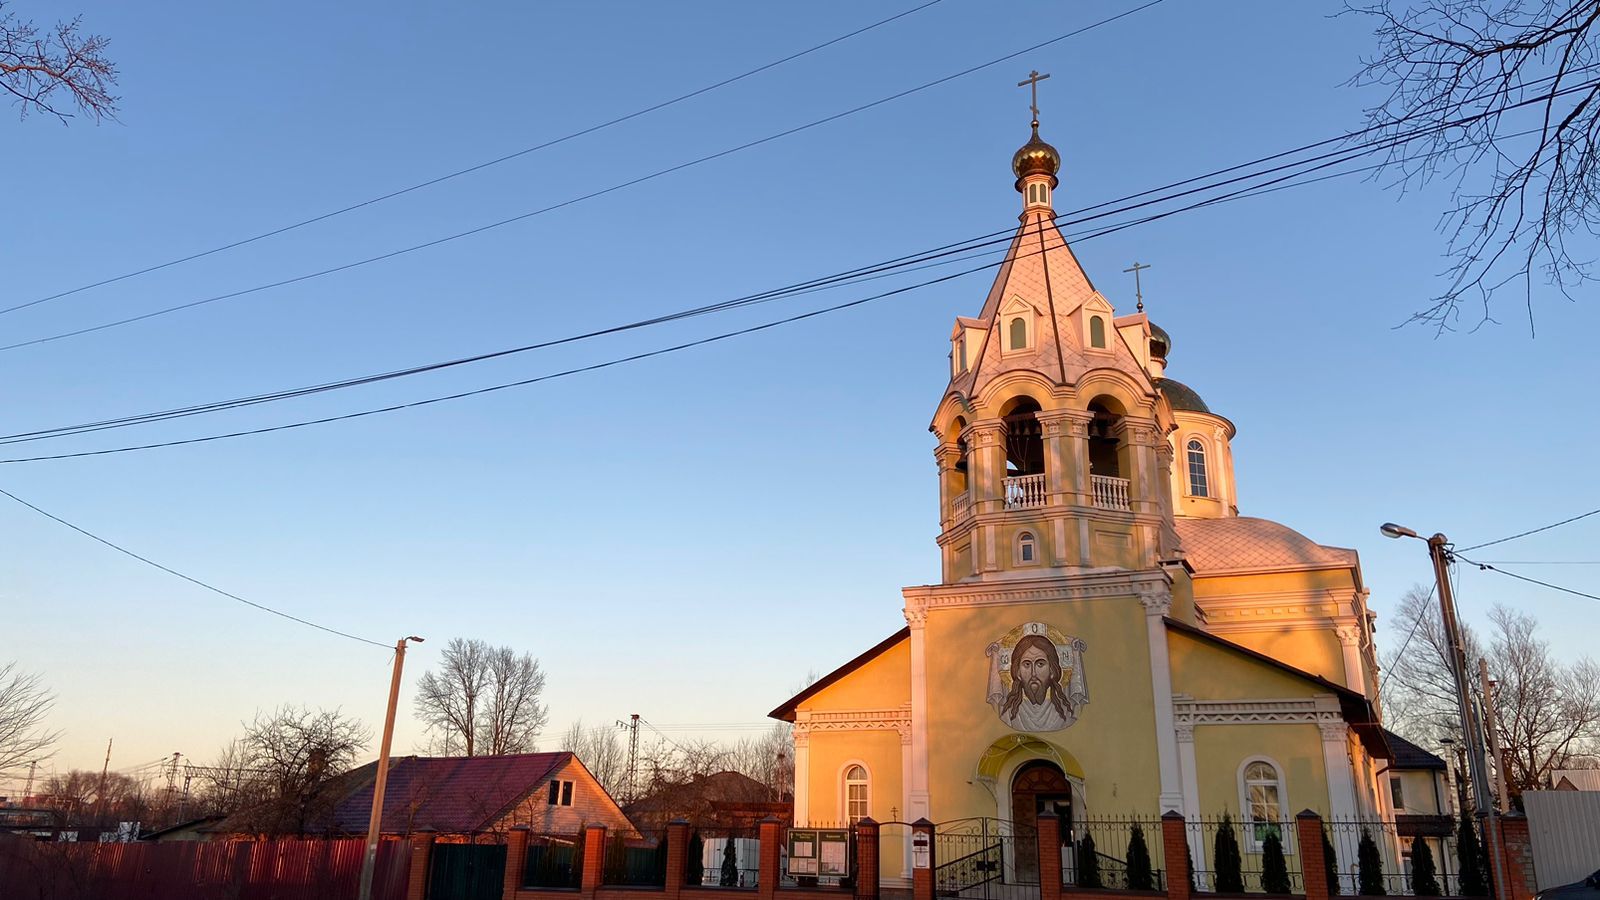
column 1053, row 453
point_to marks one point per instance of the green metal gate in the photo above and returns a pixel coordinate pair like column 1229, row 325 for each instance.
column 467, row 872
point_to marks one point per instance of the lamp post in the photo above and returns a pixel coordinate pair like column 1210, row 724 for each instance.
column 370, row 859
column 1472, row 736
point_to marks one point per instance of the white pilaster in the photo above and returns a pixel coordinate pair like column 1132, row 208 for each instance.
column 1157, row 600
column 1355, row 677
column 917, row 799
column 1336, row 762
column 802, row 770
column 1190, row 766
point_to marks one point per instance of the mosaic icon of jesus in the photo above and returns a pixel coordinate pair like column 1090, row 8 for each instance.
column 1037, row 701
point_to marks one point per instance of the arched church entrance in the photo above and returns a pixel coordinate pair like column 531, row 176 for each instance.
column 1039, row 789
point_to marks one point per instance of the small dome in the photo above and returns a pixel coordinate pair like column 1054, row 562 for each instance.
column 1181, row 396
column 1160, row 341
column 1036, row 158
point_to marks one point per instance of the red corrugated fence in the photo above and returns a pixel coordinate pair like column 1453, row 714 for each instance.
column 235, row 870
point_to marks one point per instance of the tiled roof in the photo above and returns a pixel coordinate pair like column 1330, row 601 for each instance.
column 454, row 795
column 1246, row 544
column 1409, row 756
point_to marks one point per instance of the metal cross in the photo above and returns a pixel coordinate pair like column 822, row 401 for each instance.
column 1033, row 80
column 1138, row 291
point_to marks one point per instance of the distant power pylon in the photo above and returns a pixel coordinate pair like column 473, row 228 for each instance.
column 632, row 727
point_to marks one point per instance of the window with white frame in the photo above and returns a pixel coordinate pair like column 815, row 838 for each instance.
column 1026, row 553
column 1097, row 332
column 856, row 793
column 1198, row 483
column 1261, row 798
column 560, row 793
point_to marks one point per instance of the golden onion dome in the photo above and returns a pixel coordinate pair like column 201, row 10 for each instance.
column 1036, row 158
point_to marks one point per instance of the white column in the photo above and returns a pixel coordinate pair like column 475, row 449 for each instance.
column 1355, row 677
column 917, row 800
column 905, row 787
column 1336, row 762
column 1157, row 600
column 1191, row 786
column 802, row 769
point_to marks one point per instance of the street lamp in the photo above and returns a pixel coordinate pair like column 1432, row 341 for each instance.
column 1477, row 765
column 369, row 859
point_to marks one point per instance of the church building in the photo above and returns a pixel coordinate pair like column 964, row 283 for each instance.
column 1108, row 635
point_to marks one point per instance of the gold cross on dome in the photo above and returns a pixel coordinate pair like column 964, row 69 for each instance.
column 1032, row 81
column 1138, row 289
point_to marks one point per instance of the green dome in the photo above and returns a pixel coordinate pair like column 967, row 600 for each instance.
column 1182, row 397
column 1160, row 341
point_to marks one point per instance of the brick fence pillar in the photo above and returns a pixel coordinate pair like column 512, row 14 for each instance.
column 1313, row 874
column 923, row 860
column 1511, row 857
column 677, row 857
column 421, row 857
column 1049, row 841
column 867, row 872
column 516, row 860
column 1175, row 849
column 771, row 831
column 594, row 859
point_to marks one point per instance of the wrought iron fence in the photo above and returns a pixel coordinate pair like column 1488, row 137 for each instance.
column 1246, row 860
column 981, row 858
column 553, row 861
column 1117, row 852
column 634, row 862
column 724, row 857
column 1389, row 857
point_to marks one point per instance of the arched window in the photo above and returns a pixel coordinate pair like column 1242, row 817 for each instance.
column 1019, row 333
column 1197, row 468
column 1025, row 550
column 1097, row 332
column 855, row 794
column 1261, row 798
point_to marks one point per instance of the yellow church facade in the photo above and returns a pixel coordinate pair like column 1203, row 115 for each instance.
column 1108, row 637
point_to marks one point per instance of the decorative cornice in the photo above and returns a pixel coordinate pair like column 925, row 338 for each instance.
column 1322, row 710
column 1082, row 586
column 897, row 719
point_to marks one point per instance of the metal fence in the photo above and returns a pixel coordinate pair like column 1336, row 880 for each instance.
column 553, row 861
column 634, row 862
column 1392, row 853
column 1104, row 852
column 984, row 858
column 1251, row 845
column 724, row 857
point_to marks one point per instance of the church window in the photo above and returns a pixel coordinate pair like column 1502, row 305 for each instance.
column 1025, row 551
column 1197, row 468
column 1097, row 332
column 855, row 794
column 1261, row 798
column 1019, row 333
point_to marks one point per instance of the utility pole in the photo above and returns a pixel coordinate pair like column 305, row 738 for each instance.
column 27, row 792
column 369, row 860
column 1501, row 797
column 1472, row 734
column 632, row 726
column 100, row 792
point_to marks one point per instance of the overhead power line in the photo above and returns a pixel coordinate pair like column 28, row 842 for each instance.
column 952, row 252
column 344, row 267
column 189, row 578
column 1483, row 566
column 477, row 167
column 1523, row 534
column 1248, row 191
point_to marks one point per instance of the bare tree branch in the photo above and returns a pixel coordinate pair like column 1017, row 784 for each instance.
column 36, row 66
column 482, row 700
column 24, row 704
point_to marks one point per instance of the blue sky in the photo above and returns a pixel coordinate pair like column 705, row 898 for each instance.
column 687, row 536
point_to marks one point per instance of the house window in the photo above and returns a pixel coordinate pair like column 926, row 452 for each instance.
column 855, row 794
column 1019, row 333
column 1261, row 798
column 1025, row 547
column 1197, row 468
column 560, row 793
column 1097, row 332
column 1396, row 793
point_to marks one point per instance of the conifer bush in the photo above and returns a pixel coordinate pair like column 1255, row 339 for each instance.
column 1330, row 864
column 1424, row 877
column 1469, row 855
column 1225, row 858
column 1088, row 863
column 1140, row 876
column 695, row 866
column 730, row 863
column 1274, row 870
column 1369, row 866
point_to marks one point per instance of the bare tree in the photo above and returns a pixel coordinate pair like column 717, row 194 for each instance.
column 37, row 65
column 1503, row 96
column 24, row 704
column 600, row 749
column 1547, row 711
column 82, row 797
column 482, row 700
column 284, row 758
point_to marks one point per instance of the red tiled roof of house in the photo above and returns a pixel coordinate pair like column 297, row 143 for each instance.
column 453, row 795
